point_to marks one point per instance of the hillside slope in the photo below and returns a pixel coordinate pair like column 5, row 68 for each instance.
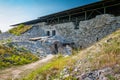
column 100, row 61
column 11, row 56
column 16, row 72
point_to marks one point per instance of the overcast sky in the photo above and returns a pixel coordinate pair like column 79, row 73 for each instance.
column 16, row 11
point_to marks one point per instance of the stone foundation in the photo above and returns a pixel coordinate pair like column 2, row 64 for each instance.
column 88, row 32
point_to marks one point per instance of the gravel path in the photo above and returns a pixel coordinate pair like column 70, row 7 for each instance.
column 20, row 71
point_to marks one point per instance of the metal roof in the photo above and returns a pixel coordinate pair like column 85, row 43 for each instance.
column 67, row 12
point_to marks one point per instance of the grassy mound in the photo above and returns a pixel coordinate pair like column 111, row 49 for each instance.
column 12, row 56
column 105, row 53
column 52, row 68
column 19, row 29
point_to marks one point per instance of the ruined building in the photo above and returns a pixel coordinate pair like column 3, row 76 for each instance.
column 78, row 27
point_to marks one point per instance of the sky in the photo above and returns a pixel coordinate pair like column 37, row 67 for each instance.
column 17, row 11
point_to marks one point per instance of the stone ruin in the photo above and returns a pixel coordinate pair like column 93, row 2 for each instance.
column 43, row 39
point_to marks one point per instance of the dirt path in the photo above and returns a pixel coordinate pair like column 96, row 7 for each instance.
column 17, row 72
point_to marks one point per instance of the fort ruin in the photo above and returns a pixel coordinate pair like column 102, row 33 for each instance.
column 78, row 27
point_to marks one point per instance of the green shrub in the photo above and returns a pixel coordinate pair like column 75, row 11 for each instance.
column 98, row 56
column 110, row 77
column 20, row 29
column 11, row 56
column 51, row 68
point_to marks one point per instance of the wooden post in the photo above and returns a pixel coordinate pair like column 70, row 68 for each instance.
column 58, row 20
column 63, row 20
column 85, row 15
column 69, row 17
column 47, row 21
column 90, row 14
column 76, row 20
column 104, row 10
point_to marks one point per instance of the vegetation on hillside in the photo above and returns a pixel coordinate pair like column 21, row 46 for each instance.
column 0, row 31
column 51, row 68
column 102, row 54
column 12, row 56
column 20, row 29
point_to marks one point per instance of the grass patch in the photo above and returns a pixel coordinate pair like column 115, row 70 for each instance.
column 20, row 29
column 101, row 54
column 51, row 69
column 110, row 77
column 12, row 56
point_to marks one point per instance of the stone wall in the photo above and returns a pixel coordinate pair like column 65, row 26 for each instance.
column 89, row 32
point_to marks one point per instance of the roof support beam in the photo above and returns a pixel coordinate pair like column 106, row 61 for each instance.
column 58, row 19
column 85, row 15
column 69, row 17
column 85, row 11
column 47, row 21
column 99, row 12
column 76, row 20
column 104, row 10
column 90, row 14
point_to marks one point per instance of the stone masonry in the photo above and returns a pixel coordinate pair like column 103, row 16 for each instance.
column 88, row 32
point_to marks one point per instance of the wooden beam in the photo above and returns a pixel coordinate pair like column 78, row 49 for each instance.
column 69, row 17
column 85, row 12
column 98, row 11
column 95, row 9
column 104, row 10
column 76, row 20
column 58, row 19
column 85, row 15
column 90, row 14
column 47, row 21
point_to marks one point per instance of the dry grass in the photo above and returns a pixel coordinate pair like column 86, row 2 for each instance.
column 52, row 68
column 102, row 54
column 19, row 29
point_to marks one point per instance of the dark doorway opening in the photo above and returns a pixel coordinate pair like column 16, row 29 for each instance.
column 53, row 33
column 56, row 48
column 48, row 33
column 97, row 39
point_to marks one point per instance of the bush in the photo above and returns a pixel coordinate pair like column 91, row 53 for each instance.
column 11, row 56
column 52, row 68
column 20, row 29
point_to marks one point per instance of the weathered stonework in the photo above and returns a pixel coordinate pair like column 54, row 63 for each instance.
column 88, row 32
